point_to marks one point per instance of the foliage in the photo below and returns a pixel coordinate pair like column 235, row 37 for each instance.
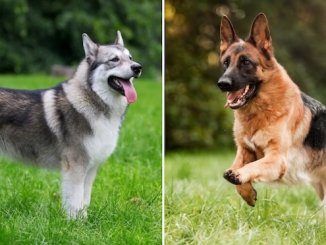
column 36, row 34
column 203, row 208
column 126, row 199
column 195, row 116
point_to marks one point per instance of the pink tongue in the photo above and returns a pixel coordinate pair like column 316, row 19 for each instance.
column 232, row 96
column 130, row 91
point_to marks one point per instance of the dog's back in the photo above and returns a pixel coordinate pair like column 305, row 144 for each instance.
column 316, row 138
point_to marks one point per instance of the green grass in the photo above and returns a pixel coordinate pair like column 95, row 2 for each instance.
column 126, row 199
column 202, row 208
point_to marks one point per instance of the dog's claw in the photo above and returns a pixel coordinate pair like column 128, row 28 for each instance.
column 230, row 176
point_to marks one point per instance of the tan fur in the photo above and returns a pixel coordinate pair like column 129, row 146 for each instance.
column 270, row 130
column 274, row 122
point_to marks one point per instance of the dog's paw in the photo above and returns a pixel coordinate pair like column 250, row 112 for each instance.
column 231, row 176
column 252, row 198
column 248, row 193
column 74, row 214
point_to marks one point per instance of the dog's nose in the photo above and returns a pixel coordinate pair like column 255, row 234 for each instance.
column 136, row 68
column 225, row 84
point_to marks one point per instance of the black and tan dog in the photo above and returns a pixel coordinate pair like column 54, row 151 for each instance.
column 279, row 131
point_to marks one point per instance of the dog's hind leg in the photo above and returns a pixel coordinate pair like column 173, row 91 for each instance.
column 324, row 194
column 90, row 176
column 248, row 193
column 73, row 178
column 246, row 190
column 319, row 189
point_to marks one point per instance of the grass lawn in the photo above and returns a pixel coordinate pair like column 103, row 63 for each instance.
column 126, row 199
column 203, row 208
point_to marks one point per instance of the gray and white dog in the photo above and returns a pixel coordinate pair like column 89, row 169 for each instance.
column 75, row 125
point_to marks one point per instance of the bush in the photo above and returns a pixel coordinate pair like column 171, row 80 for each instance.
column 36, row 34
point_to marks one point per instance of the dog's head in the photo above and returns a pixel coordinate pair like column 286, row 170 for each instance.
column 244, row 62
column 111, row 68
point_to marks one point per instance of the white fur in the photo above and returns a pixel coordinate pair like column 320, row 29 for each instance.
column 119, row 39
column 126, row 51
column 296, row 160
column 117, row 102
column 49, row 107
column 73, row 192
column 102, row 142
column 89, row 179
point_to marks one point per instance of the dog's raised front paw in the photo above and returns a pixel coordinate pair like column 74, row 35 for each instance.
column 232, row 177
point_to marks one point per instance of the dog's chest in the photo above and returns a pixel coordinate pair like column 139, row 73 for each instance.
column 255, row 143
column 102, row 142
column 249, row 143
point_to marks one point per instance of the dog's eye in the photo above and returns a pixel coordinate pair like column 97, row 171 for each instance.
column 130, row 57
column 226, row 63
column 245, row 61
column 115, row 59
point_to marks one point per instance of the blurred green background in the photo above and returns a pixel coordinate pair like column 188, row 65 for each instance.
column 195, row 117
column 34, row 35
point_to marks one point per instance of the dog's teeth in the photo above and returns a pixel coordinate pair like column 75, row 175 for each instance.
column 244, row 92
column 116, row 81
column 247, row 88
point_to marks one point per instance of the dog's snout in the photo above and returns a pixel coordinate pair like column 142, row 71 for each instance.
column 224, row 83
column 136, row 68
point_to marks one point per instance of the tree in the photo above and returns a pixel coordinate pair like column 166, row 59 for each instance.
column 36, row 34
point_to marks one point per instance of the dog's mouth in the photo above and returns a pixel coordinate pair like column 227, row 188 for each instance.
column 239, row 98
column 124, row 87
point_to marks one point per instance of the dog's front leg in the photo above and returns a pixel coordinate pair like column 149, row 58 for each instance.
column 267, row 169
column 73, row 178
column 90, row 176
column 246, row 190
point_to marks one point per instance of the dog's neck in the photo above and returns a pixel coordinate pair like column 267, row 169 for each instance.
column 81, row 74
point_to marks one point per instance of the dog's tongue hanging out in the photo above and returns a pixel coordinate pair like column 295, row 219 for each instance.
column 130, row 91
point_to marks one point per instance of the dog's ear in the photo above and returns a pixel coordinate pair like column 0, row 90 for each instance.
column 259, row 34
column 227, row 34
column 118, row 39
column 90, row 47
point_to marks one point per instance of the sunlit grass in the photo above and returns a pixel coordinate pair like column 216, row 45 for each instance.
column 202, row 208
